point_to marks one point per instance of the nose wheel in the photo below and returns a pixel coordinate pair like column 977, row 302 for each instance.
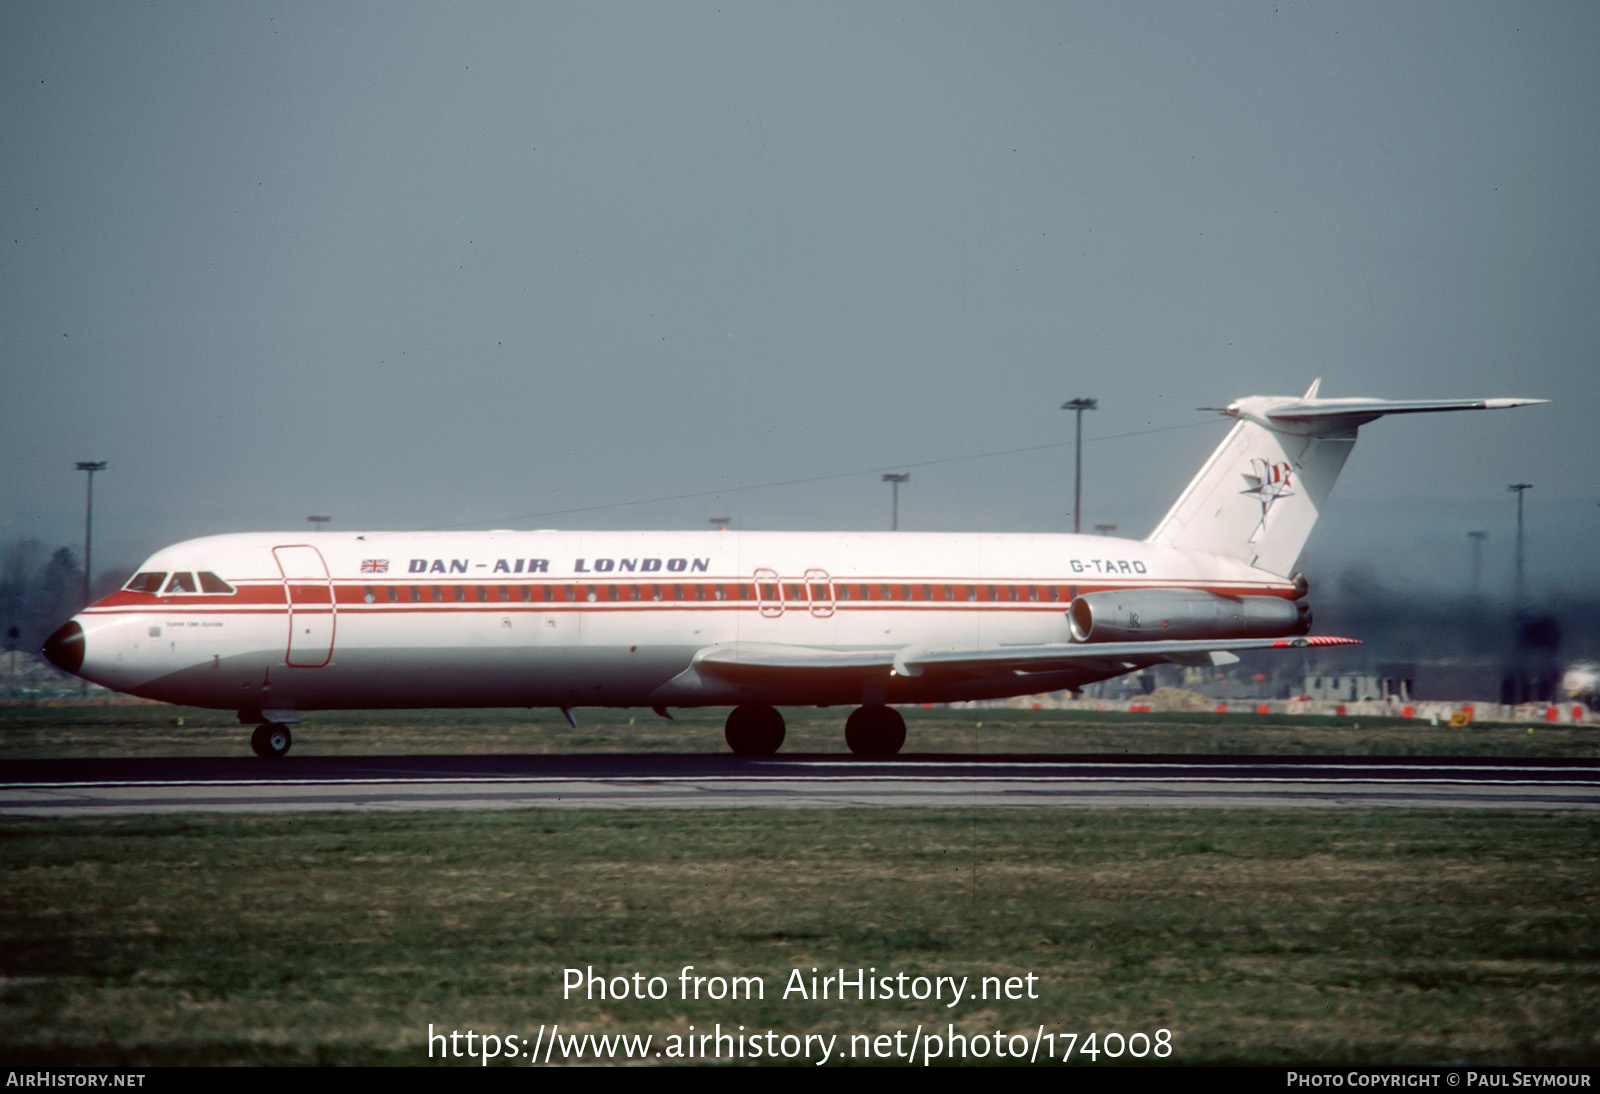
column 271, row 741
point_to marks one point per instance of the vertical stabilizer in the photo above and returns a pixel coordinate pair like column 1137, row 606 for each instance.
column 1259, row 495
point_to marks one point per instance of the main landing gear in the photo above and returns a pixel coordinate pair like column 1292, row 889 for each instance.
column 754, row 731
column 271, row 740
column 873, row 731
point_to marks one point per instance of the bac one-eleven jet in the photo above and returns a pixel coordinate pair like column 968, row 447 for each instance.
column 272, row 626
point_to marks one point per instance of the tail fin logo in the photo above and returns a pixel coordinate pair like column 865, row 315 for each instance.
column 1268, row 482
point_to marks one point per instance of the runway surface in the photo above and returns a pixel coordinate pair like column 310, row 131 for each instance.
column 68, row 788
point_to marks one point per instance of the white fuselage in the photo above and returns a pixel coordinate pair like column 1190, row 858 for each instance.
column 571, row 619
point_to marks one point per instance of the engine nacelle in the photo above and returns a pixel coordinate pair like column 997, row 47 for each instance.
column 1143, row 615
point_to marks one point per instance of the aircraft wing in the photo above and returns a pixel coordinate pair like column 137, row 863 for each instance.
column 1065, row 655
column 730, row 658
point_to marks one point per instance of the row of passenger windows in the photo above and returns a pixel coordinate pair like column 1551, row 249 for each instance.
column 185, row 582
column 769, row 593
column 182, row 582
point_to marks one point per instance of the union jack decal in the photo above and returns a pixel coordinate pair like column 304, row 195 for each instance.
column 374, row 565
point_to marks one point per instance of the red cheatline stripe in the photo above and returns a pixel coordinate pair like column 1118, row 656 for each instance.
column 965, row 595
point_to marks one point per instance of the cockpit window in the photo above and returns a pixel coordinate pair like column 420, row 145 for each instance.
column 182, row 582
column 211, row 583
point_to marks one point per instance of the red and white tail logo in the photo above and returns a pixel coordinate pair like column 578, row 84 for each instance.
column 1268, row 482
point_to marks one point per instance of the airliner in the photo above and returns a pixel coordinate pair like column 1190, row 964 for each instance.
column 274, row 625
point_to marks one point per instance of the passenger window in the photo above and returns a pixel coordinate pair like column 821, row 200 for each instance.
column 181, row 583
column 416, row 594
column 146, row 582
column 368, row 595
column 949, row 592
column 211, row 583
column 394, row 594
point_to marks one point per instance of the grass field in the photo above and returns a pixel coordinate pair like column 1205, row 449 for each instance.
column 1253, row 937
column 175, row 731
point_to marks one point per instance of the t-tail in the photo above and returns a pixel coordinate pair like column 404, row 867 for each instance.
column 1258, row 496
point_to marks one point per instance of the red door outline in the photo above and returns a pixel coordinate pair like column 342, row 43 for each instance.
column 769, row 592
column 819, row 592
column 313, row 615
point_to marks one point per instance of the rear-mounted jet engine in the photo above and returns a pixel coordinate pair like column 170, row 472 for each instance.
column 1135, row 615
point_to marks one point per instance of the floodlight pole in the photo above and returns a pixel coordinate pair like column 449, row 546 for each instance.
column 1079, row 405
column 895, row 478
column 90, row 466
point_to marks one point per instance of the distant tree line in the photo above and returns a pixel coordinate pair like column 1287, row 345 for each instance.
column 40, row 589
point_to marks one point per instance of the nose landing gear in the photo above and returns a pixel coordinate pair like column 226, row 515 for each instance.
column 271, row 740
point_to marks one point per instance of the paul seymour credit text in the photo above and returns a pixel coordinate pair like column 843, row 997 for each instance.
column 921, row 1042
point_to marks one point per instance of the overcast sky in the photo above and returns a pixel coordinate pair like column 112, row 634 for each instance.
column 510, row 265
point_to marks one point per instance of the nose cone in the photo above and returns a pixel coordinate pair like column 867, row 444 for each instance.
column 64, row 649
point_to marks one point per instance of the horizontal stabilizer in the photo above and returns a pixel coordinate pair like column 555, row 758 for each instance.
column 1349, row 413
